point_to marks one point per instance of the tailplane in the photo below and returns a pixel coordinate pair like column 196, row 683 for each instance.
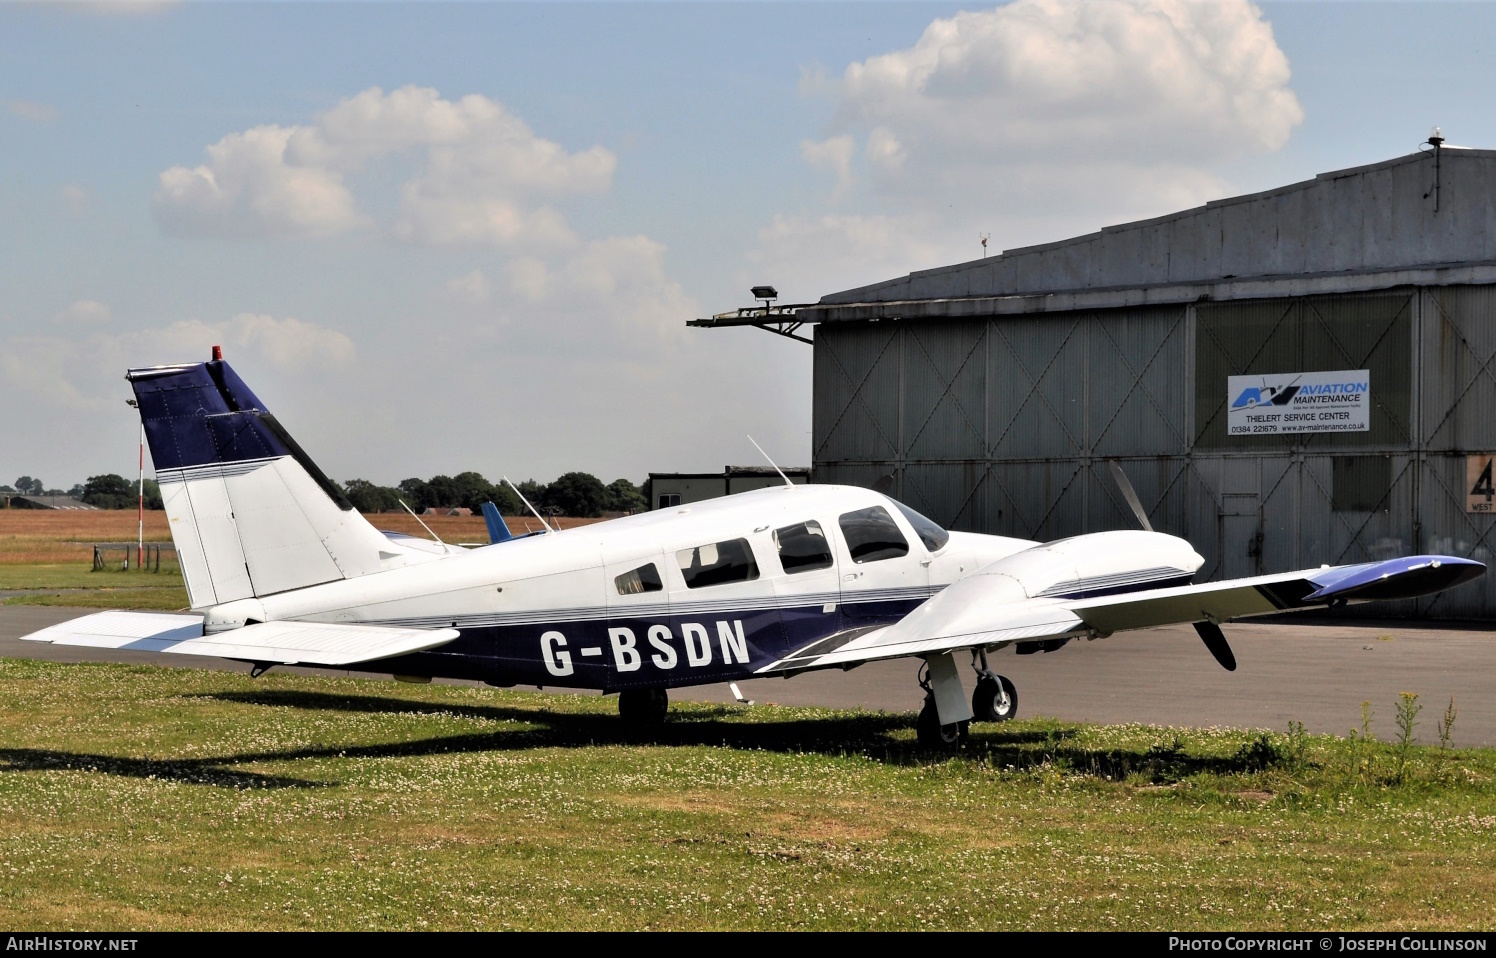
column 250, row 513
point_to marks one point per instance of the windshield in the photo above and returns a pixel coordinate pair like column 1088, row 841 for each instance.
column 932, row 535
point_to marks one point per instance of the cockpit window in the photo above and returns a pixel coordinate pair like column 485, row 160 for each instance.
column 715, row 564
column 646, row 578
column 932, row 535
column 872, row 535
column 802, row 547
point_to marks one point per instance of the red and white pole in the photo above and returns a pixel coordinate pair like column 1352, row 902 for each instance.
column 140, row 514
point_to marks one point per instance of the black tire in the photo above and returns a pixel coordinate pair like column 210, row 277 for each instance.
column 994, row 700
column 931, row 734
column 643, row 706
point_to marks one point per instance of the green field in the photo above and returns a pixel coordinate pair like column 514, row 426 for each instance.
column 75, row 585
column 144, row 798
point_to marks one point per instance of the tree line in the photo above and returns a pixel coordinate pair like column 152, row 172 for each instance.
column 577, row 494
column 106, row 492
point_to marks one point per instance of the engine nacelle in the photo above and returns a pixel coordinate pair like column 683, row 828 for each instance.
column 1102, row 563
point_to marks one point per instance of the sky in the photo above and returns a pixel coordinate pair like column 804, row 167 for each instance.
column 438, row 237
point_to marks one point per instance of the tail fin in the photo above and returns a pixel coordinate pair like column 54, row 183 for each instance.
column 498, row 529
column 250, row 513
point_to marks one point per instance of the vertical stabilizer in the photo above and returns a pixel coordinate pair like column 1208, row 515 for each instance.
column 498, row 529
column 250, row 513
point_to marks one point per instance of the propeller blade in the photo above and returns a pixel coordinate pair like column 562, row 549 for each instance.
column 1120, row 478
column 1215, row 641
column 884, row 485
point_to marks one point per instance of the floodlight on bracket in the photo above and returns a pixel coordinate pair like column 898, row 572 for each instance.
column 779, row 320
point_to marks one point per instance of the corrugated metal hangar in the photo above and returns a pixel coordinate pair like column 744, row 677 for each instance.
column 994, row 391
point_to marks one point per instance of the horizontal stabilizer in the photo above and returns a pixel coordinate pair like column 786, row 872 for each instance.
column 282, row 643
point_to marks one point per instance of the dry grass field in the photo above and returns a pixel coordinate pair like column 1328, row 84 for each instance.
column 46, row 558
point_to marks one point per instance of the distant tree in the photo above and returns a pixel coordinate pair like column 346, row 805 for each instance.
column 578, row 494
column 77, row 491
column 624, row 496
column 646, row 490
column 443, row 492
column 507, row 501
column 108, row 492
column 5, row 488
column 416, row 493
column 28, row 486
column 533, row 491
column 367, row 497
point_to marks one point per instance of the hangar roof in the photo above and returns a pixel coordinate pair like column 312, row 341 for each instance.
column 1369, row 227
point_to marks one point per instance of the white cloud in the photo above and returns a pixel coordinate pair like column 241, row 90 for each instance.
column 288, row 344
column 1141, row 81
column 249, row 189
column 833, row 154
column 530, row 277
column 608, row 296
column 84, row 371
column 85, row 311
column 471, row 288
column 487, row 178
column 31, row 110
column 1035, row 121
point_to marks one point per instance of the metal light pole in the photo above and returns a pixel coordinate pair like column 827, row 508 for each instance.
column 140, row 506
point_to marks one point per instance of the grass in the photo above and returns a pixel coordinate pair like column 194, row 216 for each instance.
column 150, row 798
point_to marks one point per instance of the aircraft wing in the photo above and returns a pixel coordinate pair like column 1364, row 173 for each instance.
column 974, row 613
column 281, row 643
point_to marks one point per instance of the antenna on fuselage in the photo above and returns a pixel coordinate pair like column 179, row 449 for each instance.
column 423, row 525
column 528, row 506
column 772, row 462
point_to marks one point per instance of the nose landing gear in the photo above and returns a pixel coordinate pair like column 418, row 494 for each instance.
column 931, row 734
column 940, row 680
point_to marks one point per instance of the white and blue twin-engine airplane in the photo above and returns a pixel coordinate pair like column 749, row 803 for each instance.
column 281, row 570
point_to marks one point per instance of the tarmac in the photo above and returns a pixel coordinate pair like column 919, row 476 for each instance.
column 1318, row 674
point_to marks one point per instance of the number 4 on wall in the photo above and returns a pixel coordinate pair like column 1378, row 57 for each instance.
column 1481, row 490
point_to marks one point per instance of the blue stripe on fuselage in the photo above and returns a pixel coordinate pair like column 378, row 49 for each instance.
column 660, row 648
column 662, row 651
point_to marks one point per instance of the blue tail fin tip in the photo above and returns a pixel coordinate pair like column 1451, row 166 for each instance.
column 498, row 531
column 202, row 414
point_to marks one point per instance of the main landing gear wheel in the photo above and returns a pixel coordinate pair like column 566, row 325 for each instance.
column 995, row 699
column 643, row 706
column 931, row 734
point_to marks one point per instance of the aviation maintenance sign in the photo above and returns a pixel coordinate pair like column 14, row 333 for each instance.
column 1276, row 403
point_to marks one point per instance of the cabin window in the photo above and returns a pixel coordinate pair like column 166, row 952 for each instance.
column 668, row 499
column 872, row 535
column 932, row 535
column 802, row 547
column 718, row 563
column 646, row 578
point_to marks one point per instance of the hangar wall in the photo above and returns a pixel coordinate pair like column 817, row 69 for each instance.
column 1004, row 423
